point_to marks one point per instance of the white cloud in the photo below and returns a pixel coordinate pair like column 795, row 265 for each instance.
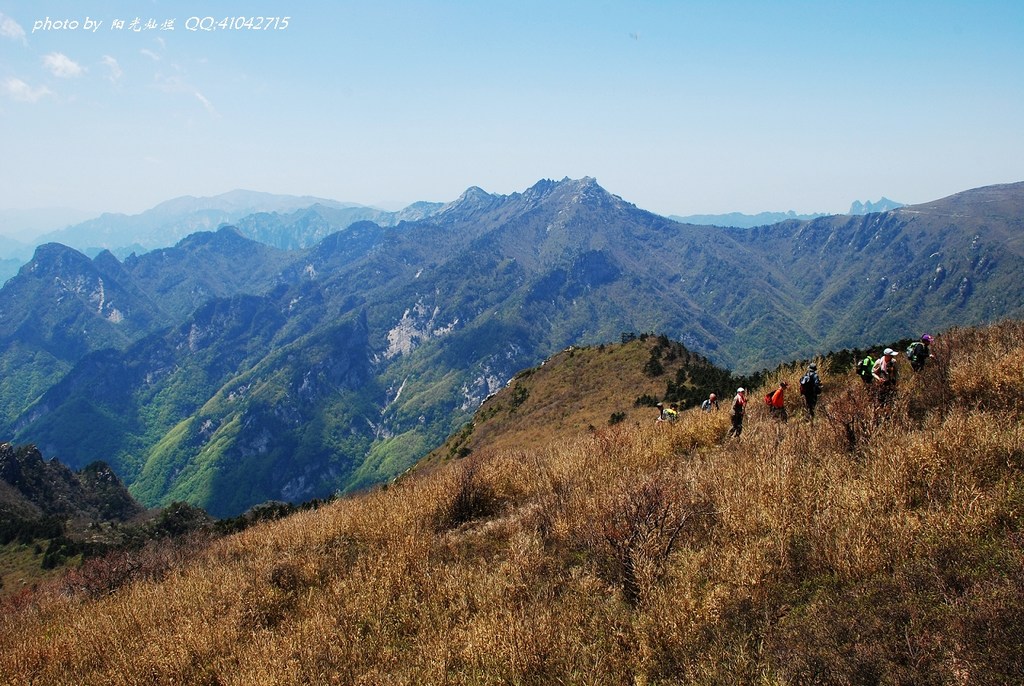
column 177, row 85
column 11, row 29
column 17, row 89
column 206, row 103
column 63, row 66
column 115, row 69
column 150, row 54
column 172, row 84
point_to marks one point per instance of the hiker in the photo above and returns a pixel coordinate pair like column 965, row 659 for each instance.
column 864, row 368
column 739, row 407
column 666, row 414
column 885, row 373
column 777, row 402
column 919, row 351
column 712, row 401
column 810, row 388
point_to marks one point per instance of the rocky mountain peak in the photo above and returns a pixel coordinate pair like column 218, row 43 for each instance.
column 55, row 258
column 474, row 196
column 470, row 204
column 883, row 205
column 226, row 235
column 548, row 187
column 107, row 263
column 53, row 488
column 584, row 192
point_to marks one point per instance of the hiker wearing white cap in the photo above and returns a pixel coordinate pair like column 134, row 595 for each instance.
column 884, row 372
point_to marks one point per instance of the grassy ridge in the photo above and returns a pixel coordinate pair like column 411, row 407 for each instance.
column 582, row 388
column 877, row 545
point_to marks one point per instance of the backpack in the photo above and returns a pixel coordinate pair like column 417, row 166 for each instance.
column 915, row 351
column 768, row 398
column 864, row 367
column 806, row 384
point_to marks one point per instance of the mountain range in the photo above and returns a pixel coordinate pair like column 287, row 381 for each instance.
column 172, row 220
column 225, row 372
column 284, row 221
column 747, row 221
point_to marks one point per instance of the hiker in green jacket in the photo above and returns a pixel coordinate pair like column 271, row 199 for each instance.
column 864, row 368
column 666, row 414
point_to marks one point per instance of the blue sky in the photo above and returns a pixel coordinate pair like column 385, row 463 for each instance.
column 680, row 107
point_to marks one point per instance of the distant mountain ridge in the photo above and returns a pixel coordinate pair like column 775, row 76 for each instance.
column 747, row 221
column 226, row 372
column 174, row 219
column 307, row 226
column 283, row 221
column 743, row 221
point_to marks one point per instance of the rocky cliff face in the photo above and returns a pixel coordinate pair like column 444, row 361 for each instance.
column 47, row 487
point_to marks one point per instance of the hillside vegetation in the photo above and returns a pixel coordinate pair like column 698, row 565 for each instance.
column 875, row 545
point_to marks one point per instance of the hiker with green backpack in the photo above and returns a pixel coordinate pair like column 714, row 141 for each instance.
column 864, row 368
column 918, row 352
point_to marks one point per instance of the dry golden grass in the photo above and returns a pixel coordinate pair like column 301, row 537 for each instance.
column 872, row 546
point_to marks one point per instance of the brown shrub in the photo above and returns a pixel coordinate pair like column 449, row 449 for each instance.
column 638, row 530
column 984, row 366
column 851, row 416
column 466, row 494
column 101, row 576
